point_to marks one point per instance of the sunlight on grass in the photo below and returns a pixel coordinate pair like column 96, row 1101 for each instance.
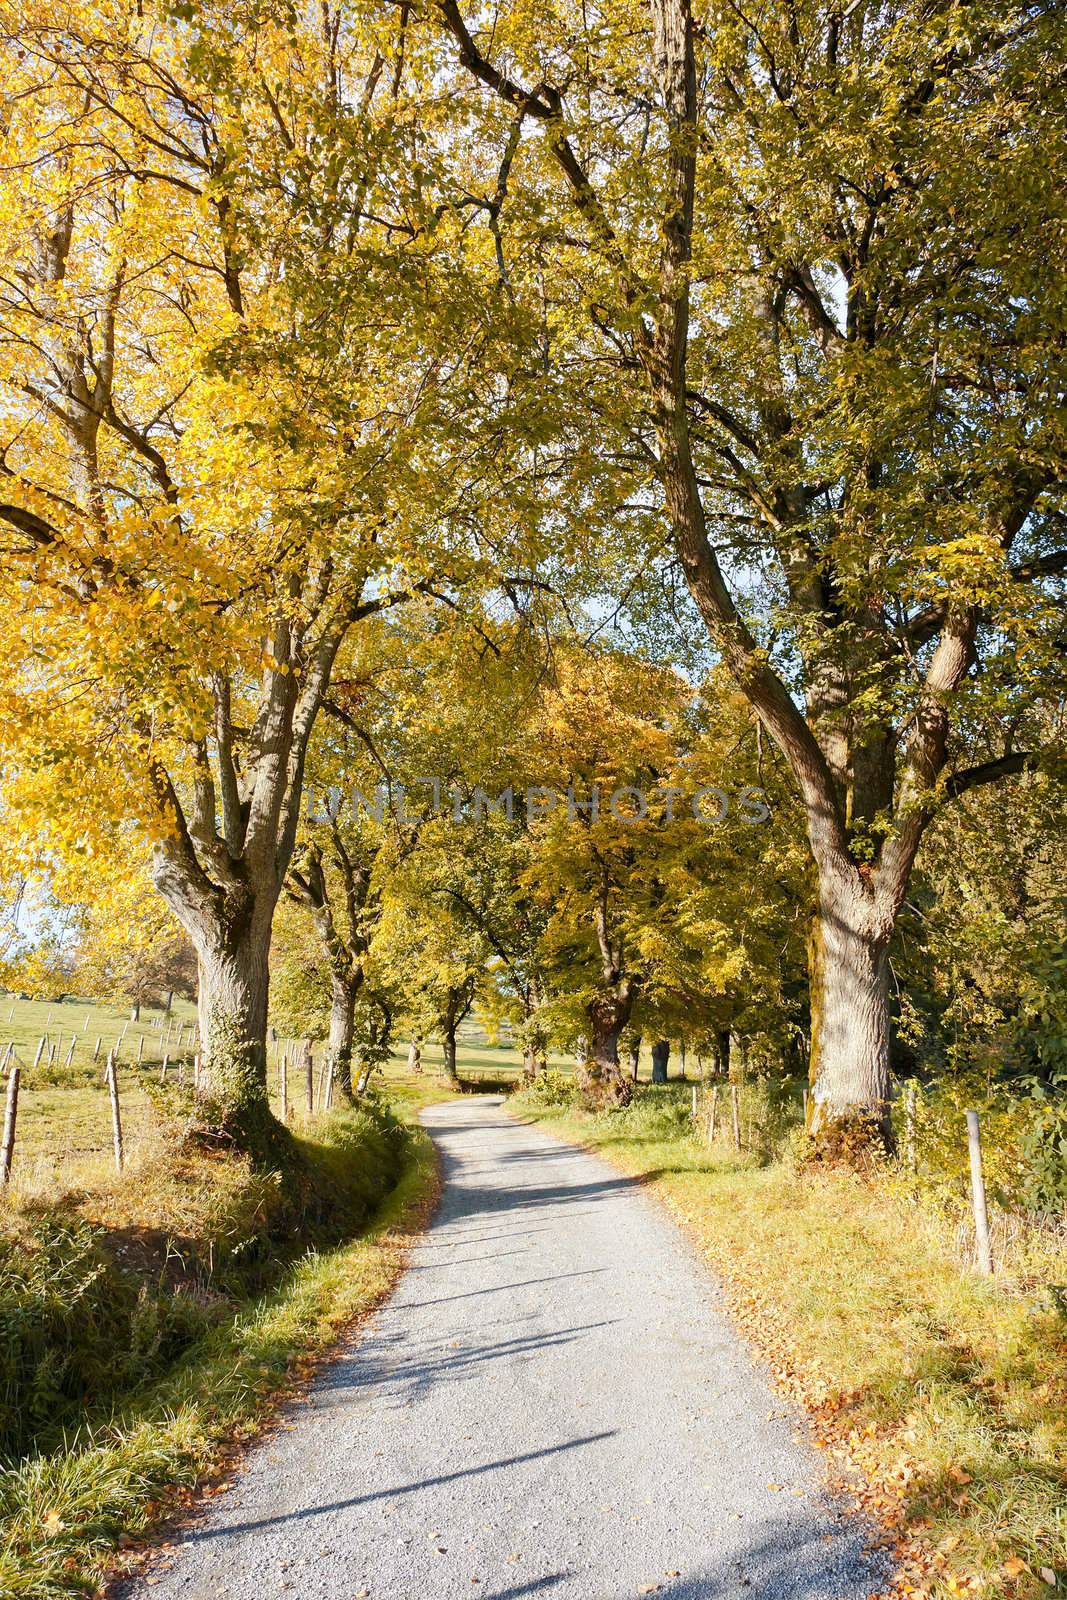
column 947, row 1391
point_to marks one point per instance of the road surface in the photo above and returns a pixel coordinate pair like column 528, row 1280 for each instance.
column 552, row 1403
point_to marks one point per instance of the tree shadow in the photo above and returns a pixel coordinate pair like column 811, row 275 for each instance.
column 387, row 1365
column 499, row 1288
column 393, row 1492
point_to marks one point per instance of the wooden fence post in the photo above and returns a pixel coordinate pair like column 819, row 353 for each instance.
column 70, row 1052
column 737, row 1116
column 11, row 1111
column 96, row 1049
column 981, row 1215
column 140, row 1047
column 309, row 1073
column 711, row 1114
column 694, row 1103
column 909, row 1125
column 116, row 1114
column 163, row 1068
column 285, row 1085
column 40, row 1049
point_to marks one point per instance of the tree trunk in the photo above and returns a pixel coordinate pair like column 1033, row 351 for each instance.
column 448, row 1044
column 343, row 993
column 534, row 1045
column 849, row 977
column 661, row 1052
column 604, row 1083
column 533, row 1059
column 722, row 1052
column 232, row 1010
column 415, row 1055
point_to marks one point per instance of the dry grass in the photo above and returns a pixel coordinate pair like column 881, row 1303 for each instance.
column 136, row 1453
column 64, row 1137
column 947, row 1391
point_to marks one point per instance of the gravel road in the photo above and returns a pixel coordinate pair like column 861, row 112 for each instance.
column 551, row 1403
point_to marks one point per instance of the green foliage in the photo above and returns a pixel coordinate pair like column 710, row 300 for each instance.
column 1024, row 1141
column 89, row 1313
column 1043, row 1146
column 549, row 1088
column 76, row 1329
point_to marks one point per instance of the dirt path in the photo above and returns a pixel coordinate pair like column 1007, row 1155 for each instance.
column 549, row 1404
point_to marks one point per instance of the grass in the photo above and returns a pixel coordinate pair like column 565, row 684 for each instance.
column 946, row 1391
column 64, row 1138
column 155, row 1315
column 248, row 1295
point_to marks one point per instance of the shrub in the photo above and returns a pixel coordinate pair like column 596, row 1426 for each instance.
column 75, row 1328
column 550, row 1088
column 92, row 1307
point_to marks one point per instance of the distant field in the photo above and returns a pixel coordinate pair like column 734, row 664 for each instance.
column 64, row 1136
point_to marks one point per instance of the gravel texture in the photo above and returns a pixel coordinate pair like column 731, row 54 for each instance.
column 551, row 1403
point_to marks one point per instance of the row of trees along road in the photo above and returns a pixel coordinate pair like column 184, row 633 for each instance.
column 818, row 251
column 247, row 357
column 307, row 318
column 558, row 874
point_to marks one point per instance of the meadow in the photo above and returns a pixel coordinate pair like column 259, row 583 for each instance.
column 64, row 1136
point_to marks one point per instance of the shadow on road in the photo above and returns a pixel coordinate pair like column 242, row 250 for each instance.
column 498, row 1288
column 222, row 1531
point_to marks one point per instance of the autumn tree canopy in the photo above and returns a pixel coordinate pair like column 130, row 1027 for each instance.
column 821, row 252
column 730, row 346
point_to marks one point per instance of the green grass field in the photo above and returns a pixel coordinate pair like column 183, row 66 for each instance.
column 64, row 1129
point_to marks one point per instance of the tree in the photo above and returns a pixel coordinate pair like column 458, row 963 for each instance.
column 981, row 934
column 669, row 910
column 344, row 934
column 815, row 249
column 229, row 442
column 129, row 945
